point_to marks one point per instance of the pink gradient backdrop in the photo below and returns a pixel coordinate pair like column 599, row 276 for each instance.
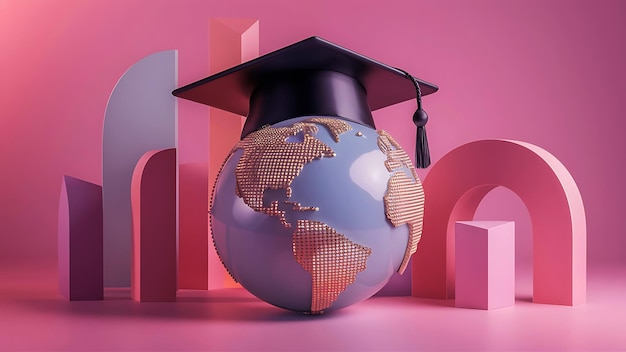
column 547, row 72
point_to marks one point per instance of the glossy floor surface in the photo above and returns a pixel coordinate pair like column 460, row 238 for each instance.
column 34, row 317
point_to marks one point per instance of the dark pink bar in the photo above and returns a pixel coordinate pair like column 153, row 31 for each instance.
column 153, row 198
column 193, row 244
column 80, row 252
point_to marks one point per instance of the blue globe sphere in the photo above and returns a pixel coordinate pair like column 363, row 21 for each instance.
column 316, row 213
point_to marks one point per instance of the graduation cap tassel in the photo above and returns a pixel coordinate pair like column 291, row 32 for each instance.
column 420, row 118
column 422, row 153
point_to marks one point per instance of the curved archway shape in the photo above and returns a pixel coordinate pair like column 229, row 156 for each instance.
column 141, row 115
column 460, row 180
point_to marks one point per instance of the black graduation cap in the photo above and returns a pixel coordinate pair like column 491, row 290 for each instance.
column 313, row 77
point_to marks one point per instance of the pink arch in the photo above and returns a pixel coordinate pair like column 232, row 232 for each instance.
column 458, row 182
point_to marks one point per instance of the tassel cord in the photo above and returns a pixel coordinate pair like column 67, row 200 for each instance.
column 420, row 118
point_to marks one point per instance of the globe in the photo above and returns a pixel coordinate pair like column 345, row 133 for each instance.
column 316, row 213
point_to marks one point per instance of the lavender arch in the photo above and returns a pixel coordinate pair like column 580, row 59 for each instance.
column 458, row 182
column 141, row 115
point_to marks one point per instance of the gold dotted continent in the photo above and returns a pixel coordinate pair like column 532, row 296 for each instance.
column 334, row 125
column 295, row 206
column 332, row 260
column 404, row 199
column 269, row 161
column 404, row 204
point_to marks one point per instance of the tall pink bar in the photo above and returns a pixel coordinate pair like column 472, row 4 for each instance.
column 154, row 249
column 485, row 264
column 80, row 245
column 193, row 240
column 231, row 42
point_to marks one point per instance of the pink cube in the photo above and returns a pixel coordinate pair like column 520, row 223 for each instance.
column 485, row 264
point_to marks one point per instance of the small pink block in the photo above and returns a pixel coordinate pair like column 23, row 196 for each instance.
column 485, row 264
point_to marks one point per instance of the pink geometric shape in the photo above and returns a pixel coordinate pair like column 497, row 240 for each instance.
column 153, row 198
column 231, row 42
column 458, row 182
column 193, row 241
column 80, row 240
column 485, row 264
column 140, row 116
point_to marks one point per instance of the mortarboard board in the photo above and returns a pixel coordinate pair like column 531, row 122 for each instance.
column 313, row 77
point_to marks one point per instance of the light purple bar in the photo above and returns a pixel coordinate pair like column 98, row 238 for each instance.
column 485, row 264
column 80, row 247
column 140, row 116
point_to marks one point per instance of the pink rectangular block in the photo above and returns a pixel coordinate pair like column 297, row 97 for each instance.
column 193, row 217
column 485, row 264
column 231, row 42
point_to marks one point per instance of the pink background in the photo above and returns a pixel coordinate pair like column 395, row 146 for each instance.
column 546, row 72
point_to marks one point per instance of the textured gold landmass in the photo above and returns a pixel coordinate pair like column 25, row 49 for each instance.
column 332, row 260
column 295, row 206
column 404, row 199
column 269, row 161
column 335, row 126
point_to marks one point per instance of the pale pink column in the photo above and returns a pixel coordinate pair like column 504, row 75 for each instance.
column 232, row 41
column 485, row 264
column 80, row 247
column 153, row 199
